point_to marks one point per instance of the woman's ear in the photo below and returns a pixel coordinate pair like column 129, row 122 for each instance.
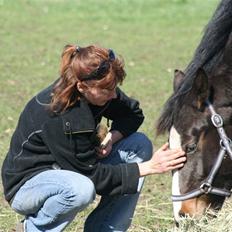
column 81, row 88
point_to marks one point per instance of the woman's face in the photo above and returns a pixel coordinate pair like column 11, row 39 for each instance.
column 96, row 95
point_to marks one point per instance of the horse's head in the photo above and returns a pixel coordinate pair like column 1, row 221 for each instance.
column 191, row 128
column 187, row 117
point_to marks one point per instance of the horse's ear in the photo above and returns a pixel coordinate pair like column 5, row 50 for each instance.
column 200, row 89
column 178, row 79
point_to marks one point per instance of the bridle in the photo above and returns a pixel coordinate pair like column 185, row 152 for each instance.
column 225, row 147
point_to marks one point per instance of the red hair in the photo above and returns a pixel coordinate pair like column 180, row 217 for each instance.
column 76, row 64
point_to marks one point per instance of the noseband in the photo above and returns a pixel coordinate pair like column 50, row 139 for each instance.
column 225, row 147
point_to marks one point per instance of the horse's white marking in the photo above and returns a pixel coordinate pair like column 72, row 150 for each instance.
column 175, row 142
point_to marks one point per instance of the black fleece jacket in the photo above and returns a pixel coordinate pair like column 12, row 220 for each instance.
column 44, row 141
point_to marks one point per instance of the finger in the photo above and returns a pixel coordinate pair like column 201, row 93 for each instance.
column 177, row 166
column 177, row 161
column 101, row 150
column 171, row 168
column 177, row 155
column 104, row 152
column 172, row 154
column 168, row 151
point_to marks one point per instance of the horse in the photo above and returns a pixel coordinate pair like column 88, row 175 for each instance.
column 198, row 118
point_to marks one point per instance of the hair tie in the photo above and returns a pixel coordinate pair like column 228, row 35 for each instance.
column 78, row 49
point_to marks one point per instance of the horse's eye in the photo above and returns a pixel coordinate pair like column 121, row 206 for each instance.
column 191, row 148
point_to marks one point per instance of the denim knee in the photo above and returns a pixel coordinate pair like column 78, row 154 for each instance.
column 143, row 145
column 80, row 193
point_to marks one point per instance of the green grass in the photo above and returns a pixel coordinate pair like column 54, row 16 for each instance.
column 153, row 36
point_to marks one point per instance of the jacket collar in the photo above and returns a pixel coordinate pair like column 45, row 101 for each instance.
column 77, row 119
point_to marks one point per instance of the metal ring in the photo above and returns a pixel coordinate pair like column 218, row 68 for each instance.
column 222, row 144
column 206, row 187
column 217, row 120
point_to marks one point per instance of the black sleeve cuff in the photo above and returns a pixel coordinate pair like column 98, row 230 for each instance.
column 130, row 178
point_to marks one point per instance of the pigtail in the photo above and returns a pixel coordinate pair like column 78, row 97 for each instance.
column 65, row 93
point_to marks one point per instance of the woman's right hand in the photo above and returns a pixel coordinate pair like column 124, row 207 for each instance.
column 163, row 160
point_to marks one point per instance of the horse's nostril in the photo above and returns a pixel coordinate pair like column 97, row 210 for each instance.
column 182, row 214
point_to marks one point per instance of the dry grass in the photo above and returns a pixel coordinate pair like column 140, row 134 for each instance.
column 218, row 222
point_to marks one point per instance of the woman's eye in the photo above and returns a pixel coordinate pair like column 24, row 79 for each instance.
column 191, row 148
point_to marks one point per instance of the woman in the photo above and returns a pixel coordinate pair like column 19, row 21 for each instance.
column 56, row 165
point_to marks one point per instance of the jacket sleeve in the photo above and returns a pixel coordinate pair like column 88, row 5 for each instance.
column 113, row 179
column 125, row 113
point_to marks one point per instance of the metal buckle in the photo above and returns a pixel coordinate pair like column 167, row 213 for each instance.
column 206, row 187
column 217, row 120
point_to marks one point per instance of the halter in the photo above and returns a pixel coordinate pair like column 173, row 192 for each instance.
column 225, row 147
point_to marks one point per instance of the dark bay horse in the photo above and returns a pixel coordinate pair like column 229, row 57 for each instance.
column 198, row 117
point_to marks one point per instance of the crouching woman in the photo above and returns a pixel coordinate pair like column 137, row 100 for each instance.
column 56, row 163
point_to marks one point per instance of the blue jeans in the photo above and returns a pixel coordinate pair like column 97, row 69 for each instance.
column 51, row 199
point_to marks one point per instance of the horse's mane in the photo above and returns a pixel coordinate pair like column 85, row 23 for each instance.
column 206, row 56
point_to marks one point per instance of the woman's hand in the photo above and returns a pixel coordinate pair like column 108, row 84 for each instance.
column 105, row 147
column 163, row 160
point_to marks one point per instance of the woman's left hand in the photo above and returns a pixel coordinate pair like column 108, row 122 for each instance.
column 106, row 146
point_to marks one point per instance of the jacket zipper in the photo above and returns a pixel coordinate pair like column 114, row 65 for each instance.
column 79, row 132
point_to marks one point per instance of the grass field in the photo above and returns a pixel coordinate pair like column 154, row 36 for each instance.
column 153, row 36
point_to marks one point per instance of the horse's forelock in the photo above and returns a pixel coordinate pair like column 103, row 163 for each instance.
column 170, row 112
column 165, row 120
